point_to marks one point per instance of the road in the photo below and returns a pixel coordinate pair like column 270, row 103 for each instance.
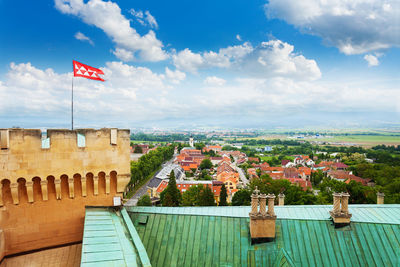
column 242, row 176
column 143, row 190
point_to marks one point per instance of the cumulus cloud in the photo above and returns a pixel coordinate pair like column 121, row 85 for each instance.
column 176, row 76
column 257, row 97
column 80, row 36
column 131, row 94
column 372, row 60
column 214, row 81
column 123, row 54
column 107, row 16
column 269, row 59
column 187, row 60
column 354, row 27
column 30, row 91
column 146, row 19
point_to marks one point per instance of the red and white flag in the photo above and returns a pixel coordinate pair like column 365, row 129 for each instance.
column 85, row 71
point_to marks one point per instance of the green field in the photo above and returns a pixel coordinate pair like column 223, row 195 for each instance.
column 362, row 140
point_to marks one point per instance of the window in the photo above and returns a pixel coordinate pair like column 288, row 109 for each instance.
column 81, row 140
column 4, row 139
column 113, row 136
column 45, row 141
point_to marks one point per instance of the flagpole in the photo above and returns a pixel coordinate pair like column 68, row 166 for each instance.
column 72, row 103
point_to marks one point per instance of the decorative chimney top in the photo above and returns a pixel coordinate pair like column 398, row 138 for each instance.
column 281, row 198
column 380, row 198
column 262, row 221
column 340, row 213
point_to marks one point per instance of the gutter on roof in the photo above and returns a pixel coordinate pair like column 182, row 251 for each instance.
column 144, row 258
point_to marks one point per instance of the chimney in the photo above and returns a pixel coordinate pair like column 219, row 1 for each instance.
column 380, row 198
column 281, row 198
column 340, row 213
column 262, row 222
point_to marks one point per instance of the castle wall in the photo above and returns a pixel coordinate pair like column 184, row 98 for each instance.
column 44, row 191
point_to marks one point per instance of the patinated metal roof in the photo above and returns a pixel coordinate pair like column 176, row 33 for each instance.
column 360, row 213
column 206, row 240
column 109, row 239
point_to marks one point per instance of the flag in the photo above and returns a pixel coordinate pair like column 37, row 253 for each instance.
column 85, row 71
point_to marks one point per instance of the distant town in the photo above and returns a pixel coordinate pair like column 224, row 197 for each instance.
column 304, row 166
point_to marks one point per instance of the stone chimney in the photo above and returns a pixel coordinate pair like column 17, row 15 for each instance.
column 281, row 198
column 340, row 213
column 262, row 221
column 380, row 198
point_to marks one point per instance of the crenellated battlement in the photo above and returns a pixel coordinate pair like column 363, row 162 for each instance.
column 47, row 179
column 27, row 154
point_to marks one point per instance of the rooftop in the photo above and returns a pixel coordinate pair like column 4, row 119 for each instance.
column 219, row 236
column 109, row 239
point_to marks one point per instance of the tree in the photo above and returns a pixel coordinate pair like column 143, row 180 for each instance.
column 206, row 197
column 138, row 149
column 222, row 196
column 172, row 195
column 241, row 198
column 191, row 196
column 206, row 164
column 199, row 146
column 144, row 201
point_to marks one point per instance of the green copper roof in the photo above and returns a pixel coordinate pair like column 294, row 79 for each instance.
column 360, row 213
column 109, row 239
column 204, row 240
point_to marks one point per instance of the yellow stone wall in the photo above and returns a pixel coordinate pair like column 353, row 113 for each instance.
column 43, row 192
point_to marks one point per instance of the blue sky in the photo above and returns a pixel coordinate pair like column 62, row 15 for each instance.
column 167, row 64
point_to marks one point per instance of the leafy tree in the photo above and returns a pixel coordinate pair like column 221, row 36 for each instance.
column 294, row 195
column 144, row 201
column 229, row 148
column 138, row 149
column 206, row 197
column 241, row 198
column 172, row 196
column 317, row 177
column 204, row 175
column 222, row 196
column 210, row 153
column 191, row 196
column 206, row 164
column 199, row 146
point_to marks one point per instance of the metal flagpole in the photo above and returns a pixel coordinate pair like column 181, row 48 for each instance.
column 72, row 102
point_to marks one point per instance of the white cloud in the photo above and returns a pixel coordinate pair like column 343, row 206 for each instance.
column 151, row 20
column 175, row 76
column 214, row 81
column 107, row 16
column 372, row 60
column 137, row 94
column 29, row 91
column 354, row 27
column 257, row 97
column 80, row 36
column 187, row 60
column 238, row 37
column 123, row 54
column 277, row 59
column 146, row 19
column 270, row 59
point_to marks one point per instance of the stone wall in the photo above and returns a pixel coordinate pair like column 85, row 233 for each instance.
column 43, row 191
